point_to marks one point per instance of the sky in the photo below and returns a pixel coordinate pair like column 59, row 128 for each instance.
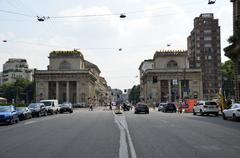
column 94, row 28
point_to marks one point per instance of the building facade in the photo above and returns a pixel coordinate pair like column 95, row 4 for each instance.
column 70, row 78
column 167, row 77
column 233, row 50
column 204, row 53
column 1, row 78
column 16, row 68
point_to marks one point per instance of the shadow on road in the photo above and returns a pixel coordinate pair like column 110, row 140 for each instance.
column 217, row 121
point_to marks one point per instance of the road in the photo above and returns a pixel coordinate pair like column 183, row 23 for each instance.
column 103, row 134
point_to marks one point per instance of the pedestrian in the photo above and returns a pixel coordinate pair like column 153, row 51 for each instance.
column 91, row 107
column 180, row 107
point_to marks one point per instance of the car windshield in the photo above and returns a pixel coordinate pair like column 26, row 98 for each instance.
column 5, row 109
column 20, row 108
column 33, row 106
column 47, row 103
column 65, row 104
column 171, row 105
column 211, row 103
column 141, row 105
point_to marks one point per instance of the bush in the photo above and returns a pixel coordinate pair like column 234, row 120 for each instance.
column 17, row 105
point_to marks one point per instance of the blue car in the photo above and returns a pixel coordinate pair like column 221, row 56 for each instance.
column 8, row 114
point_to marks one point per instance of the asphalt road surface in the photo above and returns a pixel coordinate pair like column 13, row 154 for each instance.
column 103, row 134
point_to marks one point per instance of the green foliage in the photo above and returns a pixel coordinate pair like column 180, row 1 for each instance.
column 17, row 105
column 20, row 90
column 134, row 95
column 227, row 70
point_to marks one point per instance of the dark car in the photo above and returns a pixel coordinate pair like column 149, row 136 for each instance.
column 24, row 113
column 66, row 107
column 38, row 109
column 8, row 114
column 141, row 108
column 169, row 107
column 126, row 107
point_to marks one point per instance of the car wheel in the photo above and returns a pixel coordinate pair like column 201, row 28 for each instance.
column 224, row 117
column 11, row 121
column 194, row 113
column 216, row 114
column 39, row 114
column 71, row 111
column 45, row 113
column 201, row 112
column 234, row 117
column 16, row 121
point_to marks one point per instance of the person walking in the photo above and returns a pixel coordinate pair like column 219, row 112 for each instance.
column 180, row 107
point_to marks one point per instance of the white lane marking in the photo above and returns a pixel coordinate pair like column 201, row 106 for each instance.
column 122, row 124
column 30, row 122
column 123, row 151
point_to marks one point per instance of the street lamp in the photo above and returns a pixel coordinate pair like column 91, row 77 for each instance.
column 211, row 2
column 122, row 15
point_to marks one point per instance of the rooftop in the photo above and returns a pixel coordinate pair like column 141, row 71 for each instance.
column 74, row 53
column 170, row 53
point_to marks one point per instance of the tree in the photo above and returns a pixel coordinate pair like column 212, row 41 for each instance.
column 21, row 90
column 134, row 95
column 227, row 70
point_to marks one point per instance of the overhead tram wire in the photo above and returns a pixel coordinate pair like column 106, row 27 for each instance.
column 88, row 15
column 17, row 13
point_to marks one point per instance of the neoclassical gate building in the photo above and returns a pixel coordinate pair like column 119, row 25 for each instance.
column 167, row 77
column 70, row 78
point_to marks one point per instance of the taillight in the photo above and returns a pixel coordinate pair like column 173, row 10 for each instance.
column 205, row 106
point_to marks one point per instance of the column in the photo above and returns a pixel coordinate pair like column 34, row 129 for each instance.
column 180, row 89
column 67, row 91
column 46, row 91
column 77, row 92
column 169, row 90
column 160, row 91
column 57, row 90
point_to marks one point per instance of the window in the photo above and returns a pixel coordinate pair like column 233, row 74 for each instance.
column 64, row 65
column 207, row 45
column 155, row 79
column 207, row 38
column 172, row 64
column 198, row 58
column 207, row 31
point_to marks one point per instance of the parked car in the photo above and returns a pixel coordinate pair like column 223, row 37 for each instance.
column 38, row 109
column 233, row 112
column 161, row 105
column 8, row 114
column 141, row 108
column 206, row 107
column 80, row 105
column 169, row 107
column 66, row 107
column 24, row 113
column 51, row 106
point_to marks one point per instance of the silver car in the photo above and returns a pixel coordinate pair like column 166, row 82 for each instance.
column 233, row 112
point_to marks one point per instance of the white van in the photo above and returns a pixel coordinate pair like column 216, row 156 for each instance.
column 51, row 105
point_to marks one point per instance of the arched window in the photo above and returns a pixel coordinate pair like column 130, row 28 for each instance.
column 172, row 64
column 65, row 65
